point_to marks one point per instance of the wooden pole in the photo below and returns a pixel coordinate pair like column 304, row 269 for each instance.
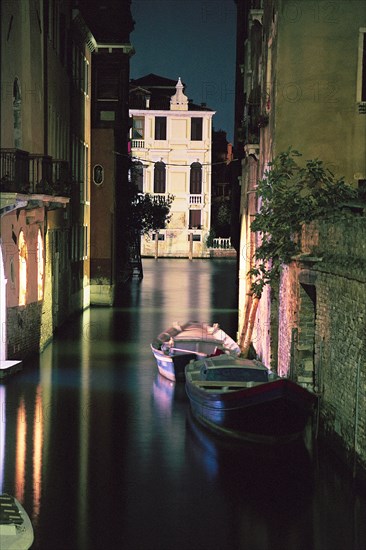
column 246, row 338
column 190, row 246
column 156, row 245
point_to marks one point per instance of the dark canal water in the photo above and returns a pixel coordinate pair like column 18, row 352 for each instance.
column 103, row 454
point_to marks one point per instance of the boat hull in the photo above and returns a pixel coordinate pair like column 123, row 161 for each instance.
column 172, row 367
column 275, row 411
column 16, row 531
column 191, row 341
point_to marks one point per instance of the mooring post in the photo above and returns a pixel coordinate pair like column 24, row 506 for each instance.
column 156, row 245
column 190, row 246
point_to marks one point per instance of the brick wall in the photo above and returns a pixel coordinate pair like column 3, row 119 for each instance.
column 23, row 330
column 31, row 327
column 322, row 328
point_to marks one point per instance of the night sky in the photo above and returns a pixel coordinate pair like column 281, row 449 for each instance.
column 194, row 40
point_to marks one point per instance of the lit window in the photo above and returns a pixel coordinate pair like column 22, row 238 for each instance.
column 23, row 257
column 138, row 128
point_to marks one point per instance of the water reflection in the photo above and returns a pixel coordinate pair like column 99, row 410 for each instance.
column 165, row 394
column 100, row 449
column 2, row 435
column 268, row 490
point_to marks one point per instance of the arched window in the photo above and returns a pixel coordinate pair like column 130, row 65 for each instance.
column 137, row 175
column 159, row 177
column 195, row 181
column 40, row 265
column 23, row 259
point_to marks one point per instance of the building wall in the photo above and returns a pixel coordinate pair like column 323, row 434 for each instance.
column 37, row 118
column 322, row 327
column 178, row 152
column 31, row 323
column 313, row 327
column 23, row 39
column 316, row 80
column 102, row 218
column 109, row 201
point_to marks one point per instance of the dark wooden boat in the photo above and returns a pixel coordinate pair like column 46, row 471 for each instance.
column 179, row 344
column 243, row 399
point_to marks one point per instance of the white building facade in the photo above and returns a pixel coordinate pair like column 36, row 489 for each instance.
column 171, row 149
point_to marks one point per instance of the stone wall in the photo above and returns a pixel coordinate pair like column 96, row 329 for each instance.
column 322, row 328
column 23, row 330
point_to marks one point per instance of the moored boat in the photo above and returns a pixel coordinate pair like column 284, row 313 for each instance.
column 179, row 344
column 16, row 531
column 244, row 400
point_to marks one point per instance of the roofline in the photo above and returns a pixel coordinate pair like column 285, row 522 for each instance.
column 164, row 111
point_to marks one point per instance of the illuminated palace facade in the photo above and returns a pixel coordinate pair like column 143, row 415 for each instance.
column 171, row 141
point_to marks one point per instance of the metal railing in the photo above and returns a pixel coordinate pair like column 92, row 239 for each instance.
column 221, row 242
column 22, row 172
column 138, row 144
column 195, row 199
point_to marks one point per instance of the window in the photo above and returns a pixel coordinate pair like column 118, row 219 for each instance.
column 195, row 237
column 159, row 177
column 195, row 183
column 361, row 70
column 107, row 116
column 196, row 128
column 98, row 174
column 137, row 175
column 138, row 128
column 195, row 219
column 160, row 127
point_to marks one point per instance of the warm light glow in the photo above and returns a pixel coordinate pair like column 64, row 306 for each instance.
column 40, row 265
column 23, row 256
column 37, row 452
column 20, row 455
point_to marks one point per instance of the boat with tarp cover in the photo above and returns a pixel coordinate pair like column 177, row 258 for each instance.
column 242, row 399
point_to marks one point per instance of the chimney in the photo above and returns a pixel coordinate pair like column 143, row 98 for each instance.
column 229, row 153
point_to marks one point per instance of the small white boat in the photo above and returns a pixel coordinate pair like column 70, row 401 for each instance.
column 16, row 531
column 174, row 348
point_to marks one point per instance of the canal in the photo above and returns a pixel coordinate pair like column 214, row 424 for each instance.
column 103, row 454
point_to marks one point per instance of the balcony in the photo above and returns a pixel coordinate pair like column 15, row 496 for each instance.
column 22, row 172
column 138, row 144
column 195, row 200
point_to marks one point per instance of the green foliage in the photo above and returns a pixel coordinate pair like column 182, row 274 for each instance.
column 144, row 212
column 221, row 218
column 147, row 213
column 210, row 238
column 291, row 195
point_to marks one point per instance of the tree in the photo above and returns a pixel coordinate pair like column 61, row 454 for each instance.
column 290, row 195
column 145, row 212
column 148, row 213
